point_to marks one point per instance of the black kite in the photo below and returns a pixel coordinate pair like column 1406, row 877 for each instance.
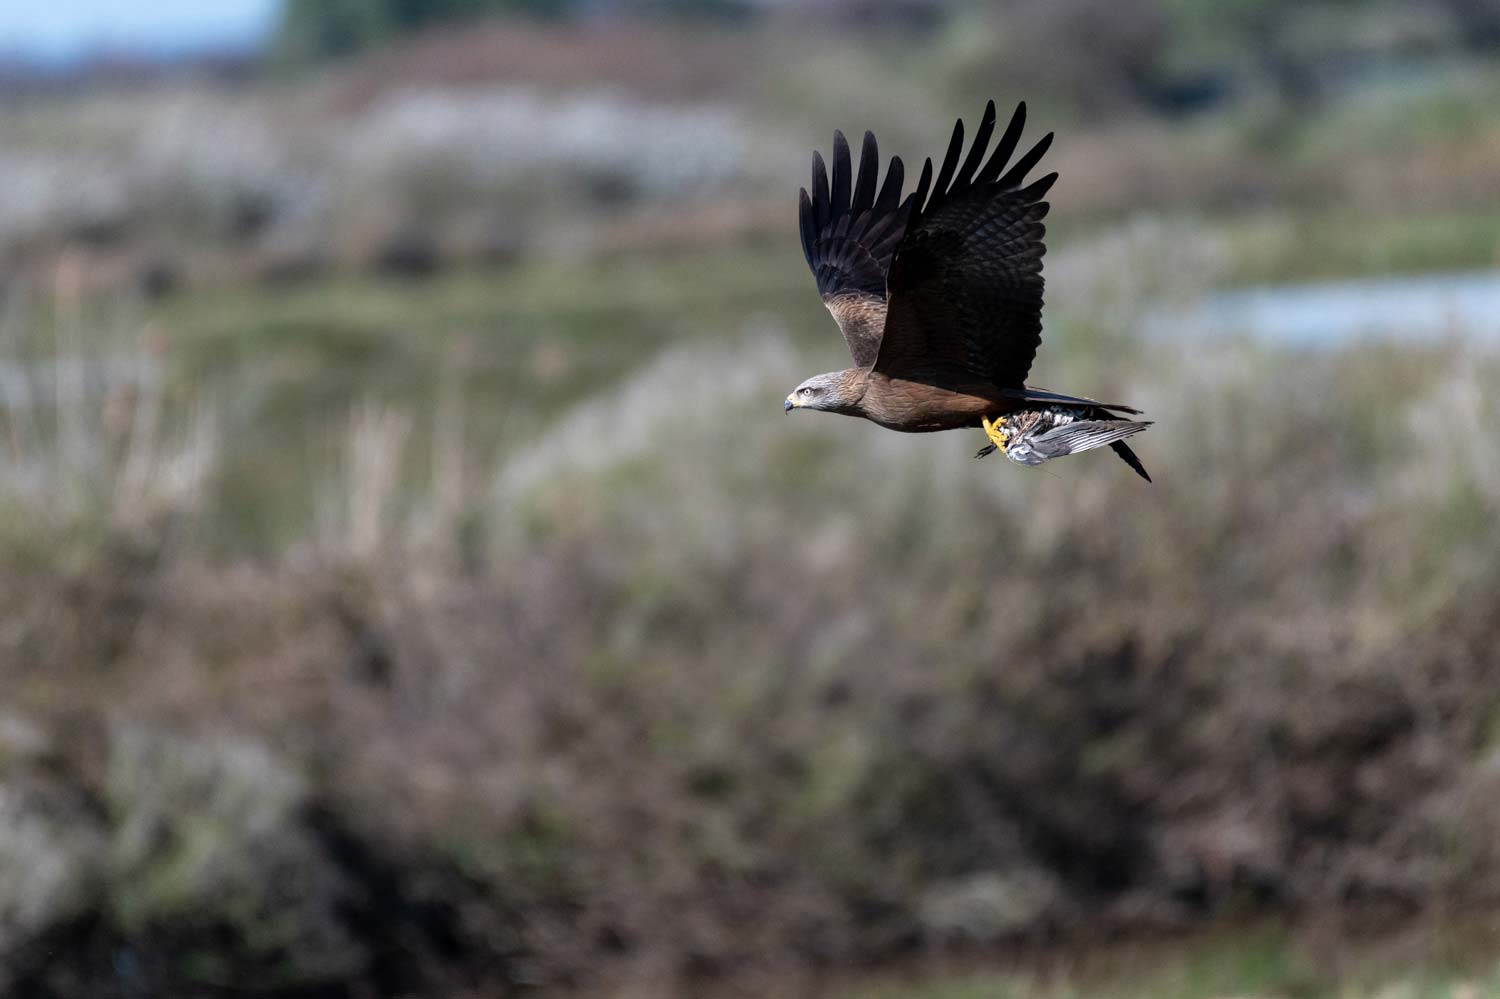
column 939, row 298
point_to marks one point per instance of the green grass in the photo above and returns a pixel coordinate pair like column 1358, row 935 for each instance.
column 1262, row 963
column 1303, row 246
column 286, row 367
column 369, row 334
column 519, row 346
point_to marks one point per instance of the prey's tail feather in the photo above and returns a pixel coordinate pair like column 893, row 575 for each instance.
column 1128, row 456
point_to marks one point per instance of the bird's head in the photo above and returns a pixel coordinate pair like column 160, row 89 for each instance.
column 832, row 391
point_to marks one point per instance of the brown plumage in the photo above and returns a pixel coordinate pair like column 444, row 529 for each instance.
column 939, row 295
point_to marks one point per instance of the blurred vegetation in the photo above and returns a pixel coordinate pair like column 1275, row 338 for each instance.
column 569, row 700
column 320, row 29
column 1173, row 55
column 1253, row 961
column 412, row 585
column 312, row 29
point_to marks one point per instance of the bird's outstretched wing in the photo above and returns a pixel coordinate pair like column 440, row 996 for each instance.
column 849, row 235
column 965, row 285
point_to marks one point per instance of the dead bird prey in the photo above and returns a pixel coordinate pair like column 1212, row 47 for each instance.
column 939, row 298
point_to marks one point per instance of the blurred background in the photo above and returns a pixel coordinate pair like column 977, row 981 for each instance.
column 410, row 583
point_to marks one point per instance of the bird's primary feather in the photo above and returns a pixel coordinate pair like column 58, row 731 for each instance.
column 965, row 287
column 849, row 244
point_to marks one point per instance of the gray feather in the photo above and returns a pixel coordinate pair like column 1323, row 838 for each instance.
column 1070, row 438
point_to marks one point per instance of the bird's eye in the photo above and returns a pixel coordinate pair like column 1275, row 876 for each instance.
column 806, row 391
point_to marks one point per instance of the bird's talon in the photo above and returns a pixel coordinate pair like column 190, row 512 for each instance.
column 996, row 432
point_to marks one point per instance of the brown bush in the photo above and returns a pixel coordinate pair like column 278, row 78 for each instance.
column 817, row 698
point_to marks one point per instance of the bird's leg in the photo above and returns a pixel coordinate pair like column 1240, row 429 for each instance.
column 998, row 434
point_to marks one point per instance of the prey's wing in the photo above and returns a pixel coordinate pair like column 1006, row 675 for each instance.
column 1070, row 438
column 849, row 236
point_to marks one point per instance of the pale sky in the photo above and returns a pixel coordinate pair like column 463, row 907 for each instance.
column 64, row 29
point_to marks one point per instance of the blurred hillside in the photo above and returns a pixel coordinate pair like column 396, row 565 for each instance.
column 576, row 136
column 412, row 585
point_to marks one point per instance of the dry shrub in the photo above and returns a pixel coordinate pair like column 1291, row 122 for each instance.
column 689, row 689
column 742, row 691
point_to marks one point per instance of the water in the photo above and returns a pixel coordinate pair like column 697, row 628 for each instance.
column 1330, row 313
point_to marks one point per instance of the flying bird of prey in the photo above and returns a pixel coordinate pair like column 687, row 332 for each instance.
column 939, row 297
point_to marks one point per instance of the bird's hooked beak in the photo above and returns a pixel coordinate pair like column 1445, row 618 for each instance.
column 789, row 405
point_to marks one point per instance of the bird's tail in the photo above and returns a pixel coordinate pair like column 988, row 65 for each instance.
column 1122, row 449
column 1128, row 457
column 1031, row 394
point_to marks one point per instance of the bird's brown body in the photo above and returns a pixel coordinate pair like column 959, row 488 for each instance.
column 939, row 294
column 926, row 406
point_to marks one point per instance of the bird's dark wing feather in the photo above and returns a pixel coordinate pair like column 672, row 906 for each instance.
column 849, row 235
column 965, row 286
